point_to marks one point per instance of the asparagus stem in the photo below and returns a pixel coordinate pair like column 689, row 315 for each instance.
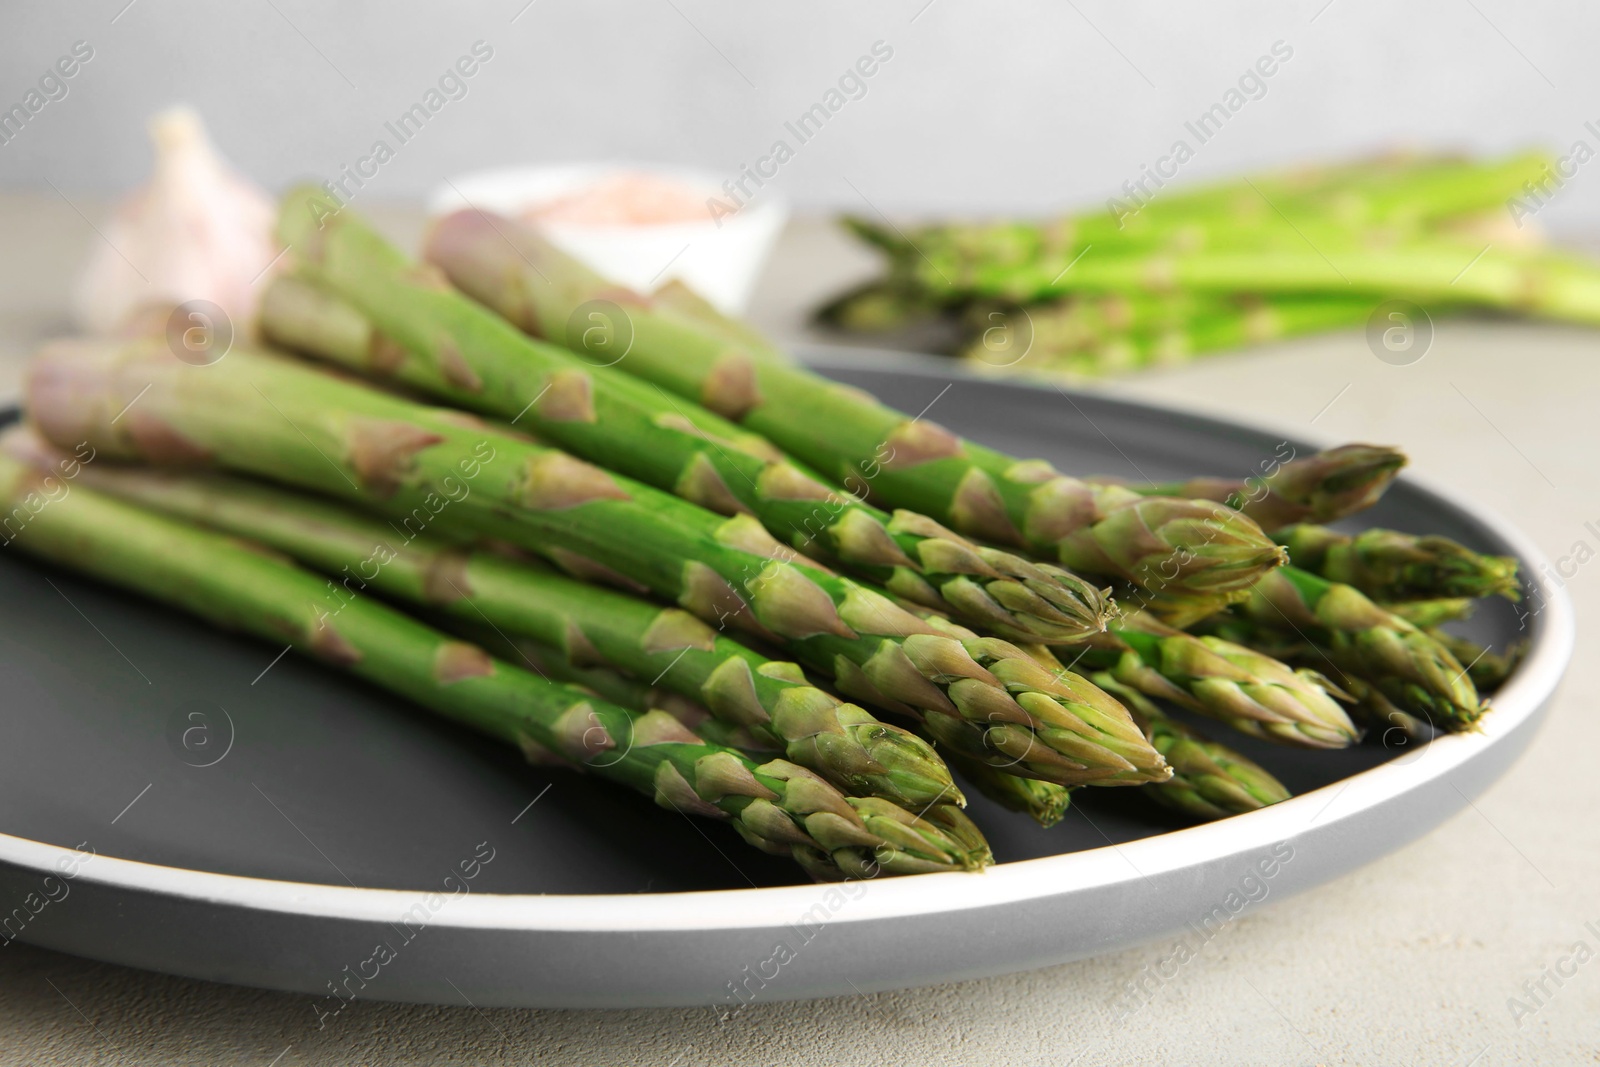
column 676, row 300
column 776, row 806
column 1379, row 713
column 1400, row 195
column 1072, row 322
column 1161, row 279
column 608, row 683
column 1042, row 344
column 1251, row 692
column 1548, row 285
column 1389, row 565
column 877, row 307
column 1209, row 780
column 630, row 693
column 1413, row 671
column 905, row 462
column 1488, row 669
column 435, row 340
column 1044, row 802
column 436, row 470
column 1434, row 612
column 497, row 597
column 1369, row 706
column 1323, row 487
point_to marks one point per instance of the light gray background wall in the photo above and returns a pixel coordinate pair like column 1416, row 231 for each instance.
column 1017, row 105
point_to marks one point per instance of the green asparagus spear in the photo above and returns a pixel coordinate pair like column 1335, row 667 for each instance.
column 1209, row 780
column 1249, row 691
column 1389, row 565
column 1044, row 802
column 675, row 299
column 1365, row 208
column 1323, row 487
column 1488, row 669
column 439, row 469
column 434, row 339
column 877, row 307
column 1320, row 487
column 952, row 273
column 1040, row 346
column 1435, row 269
column 1398, row 192
column 776, row 806
column 1413, row 671
column 1393, row 726
column 906, row 462
column 589, row 625
column 1080, row 319
column 610, row 684
column 1434, row 612
column 1429, row 189
column 1368, row 705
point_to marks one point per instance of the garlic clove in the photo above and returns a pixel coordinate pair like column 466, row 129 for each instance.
column 195, row 231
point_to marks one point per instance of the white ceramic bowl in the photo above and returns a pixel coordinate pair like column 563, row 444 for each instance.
column 720, row 259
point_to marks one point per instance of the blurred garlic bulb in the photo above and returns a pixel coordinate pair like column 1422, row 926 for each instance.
column 195, row 231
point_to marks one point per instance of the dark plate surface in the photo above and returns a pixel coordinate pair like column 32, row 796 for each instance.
column 154, row 738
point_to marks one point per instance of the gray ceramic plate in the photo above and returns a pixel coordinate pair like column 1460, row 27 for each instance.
column 174, row 798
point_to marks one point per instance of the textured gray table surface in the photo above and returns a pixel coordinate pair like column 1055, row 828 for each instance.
column 1422, row 957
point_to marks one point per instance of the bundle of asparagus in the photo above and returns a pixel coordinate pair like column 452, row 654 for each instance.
column 438, row 341
column 777, row 806
column 1182, row 546
column 1185, row 273
column 588, row 626
column 701, row 507
column 1185, row 569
